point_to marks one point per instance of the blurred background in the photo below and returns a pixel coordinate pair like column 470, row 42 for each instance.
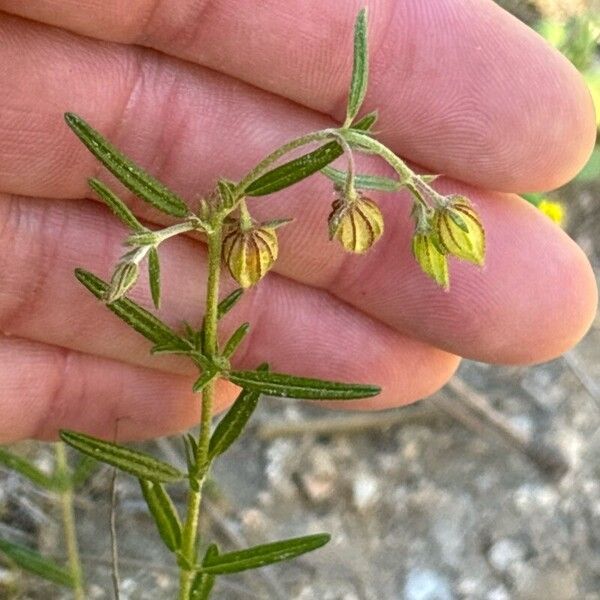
column 490, row 490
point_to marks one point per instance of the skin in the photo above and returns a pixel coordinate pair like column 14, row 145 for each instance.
column 196, row 90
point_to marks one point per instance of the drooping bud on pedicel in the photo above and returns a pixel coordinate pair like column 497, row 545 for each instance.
column 432, row 261
column 459, row 230
column 123, row 279
column 357, row 223
column 250, row 253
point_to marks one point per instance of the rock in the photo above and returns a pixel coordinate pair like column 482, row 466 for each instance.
column 365, row 491
column 559, row 583
column 505, row 553
column 498, row 593
column 425, row 584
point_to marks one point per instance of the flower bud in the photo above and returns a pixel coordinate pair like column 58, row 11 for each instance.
column 356, row 223
column 459, row 231
column 250, row 254
column 433, row 262
column 123, row 279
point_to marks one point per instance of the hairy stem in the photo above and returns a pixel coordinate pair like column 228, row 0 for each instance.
column 68, row 516
column 190, row 529
column 366, row 142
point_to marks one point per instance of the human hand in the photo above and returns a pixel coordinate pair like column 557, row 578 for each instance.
column 461, row 88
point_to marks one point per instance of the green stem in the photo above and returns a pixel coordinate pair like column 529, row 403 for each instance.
column 153, row 238
column 368, row 143
column 68, row 514
column 349, row 186
column 190, row 529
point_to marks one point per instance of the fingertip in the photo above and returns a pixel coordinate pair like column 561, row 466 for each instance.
column 544, row 296
column 407, row 379
column 564, row 138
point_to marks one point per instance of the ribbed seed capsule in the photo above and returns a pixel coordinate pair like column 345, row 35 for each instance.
column 250, row 254
column 460, row 232
column 357, row 224
column 430, row 259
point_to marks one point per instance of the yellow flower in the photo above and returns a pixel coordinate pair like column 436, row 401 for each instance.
column 433, row 262
column 554, row 210
column 357, row 223
column 250, row 253
column 459, row 231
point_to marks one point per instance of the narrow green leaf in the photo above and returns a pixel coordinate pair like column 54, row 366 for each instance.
column 207, row 376
column 134, row 315
column 35, row 563
column 235, row 340
column 233, row 423
column 83, row 470
column 363, row 182
column 132, row 461
column 126, row 171
column 226, row 189
column 260, row 556
column 25, row 468
column 290, row 386
column 428, row 178
column 202, row 586
column 295, row 170
column 164, row 512
column 203, row 582
column 119, row 208
column 229, row 302
column 193, row 444
column 366, row 123
column 360, row 68
column 192, row 335
column 154, row 276
column 191, row 451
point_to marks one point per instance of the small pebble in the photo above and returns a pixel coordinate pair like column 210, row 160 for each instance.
column 424, row 584
column 506, row 552
column 365, row 491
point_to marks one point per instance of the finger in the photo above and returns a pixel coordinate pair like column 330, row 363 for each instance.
column 534, row 299
column 508, row 325
column 504, row 313
column 46, row 387
column 295, row 328
column 449, row 79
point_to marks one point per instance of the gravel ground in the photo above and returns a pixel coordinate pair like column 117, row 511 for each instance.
column 421, row 505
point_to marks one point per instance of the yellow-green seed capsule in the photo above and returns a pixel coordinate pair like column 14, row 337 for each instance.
column 459, row 231
column 250, row 254
column 357, row 223
column 430, row 259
